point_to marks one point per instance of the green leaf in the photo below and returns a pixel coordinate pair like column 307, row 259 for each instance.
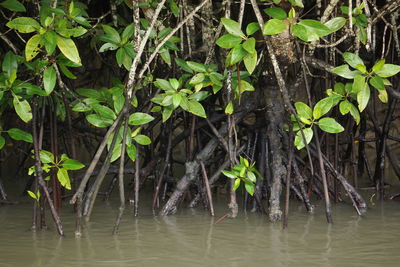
column 63, row 178
column 68, row 48
column 246, row 86
column 49, row 79
column 99, row 121
column 358, row 84
column 2, row 142
column 352, row 59
column 13, row 5
column 197, row 67
column 131, row 151
column 250, row 62
column 363, row 97
column 330, row 125
column 237, row 54
column 176, row 100
column 229, row 108
column 236, row 184
column 355, row 113
column 377, row 82
column 388, row 70
column 10, row 63
column 274, row 26
column 299, row 141
column 301, row 32
column 303, row 110
column 249, row 188
column 198, row 78
column 383, row 96
column 32, row 47
column 20, row 135
column 32, row 195
column 378, row 65
column 298, row 3
column 229, row 174
column 71, row 164
column 250, row 45
column 46, row 156
column 252, row 28
column 142, row 139
column 24, row 24
column 139, row 118
column 127, row 33
column 116, row 154
column 276, row 13
column 232, row 27
column 163, row 84
column 196, row 108
column 315, row 26
column 228, row 41
column 112, row 34
column 345, row 72
column 345, row 107
column 335, row 24
column 104, row 111
column 23, row 109
column 165, row 55
column 183, row 65
column 324, row 106
column 50, row 41
column 167, row 112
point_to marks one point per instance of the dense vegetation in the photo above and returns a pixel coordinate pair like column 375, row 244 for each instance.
column 268, row 93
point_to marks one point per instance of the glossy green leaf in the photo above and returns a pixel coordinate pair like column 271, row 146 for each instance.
column 251, row 28
column 23, row 109
column 274, row 26
column 228, row 41
column 63, row 178
column 330, row 125
column 142, row 139
column 24, row 24
column 324, row 106
column 299, row 140
column 335, row 24
column 49, row 79
column 46, row 156
column 383, row 96
column 197, row 67
column 10, row 63
column 131, row 151
column 2, row 142
column 104, row 111
column 183, row 65
column 237, row 54
column 363, row 97
column 198, row 78
column 196, row 108
column 250, row 45
column 20, row 135
column 139, row 118
column 229, row 174
column 298, row 3
column 358, row 84
column 377, row 82
column 344, row 107
column 276, row 13
column 301, row 32
column 378, row 65
column 99, row 121
column 112, row 34
column 345, row 72
column 249, row 188
column 229, row 108
column 68, row 48
column 303, row 110
column 388, row 70
column 315, row 26
column 352, row 59
column 250, row 62
column 355, row 113
column 13, row 5
column 71, row 164
column 232, row 27
column 32, row 47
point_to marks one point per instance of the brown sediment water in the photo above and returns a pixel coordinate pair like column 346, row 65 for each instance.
column 190, row 238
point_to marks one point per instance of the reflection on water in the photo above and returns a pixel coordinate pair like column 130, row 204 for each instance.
column 191, row 239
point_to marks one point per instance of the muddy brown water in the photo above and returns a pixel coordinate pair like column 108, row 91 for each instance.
column 190, row 238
